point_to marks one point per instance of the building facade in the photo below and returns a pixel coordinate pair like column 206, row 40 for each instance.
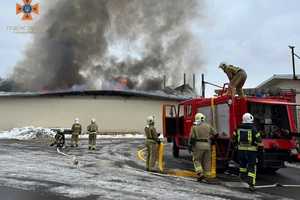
column 114, row 111
column 284, row 82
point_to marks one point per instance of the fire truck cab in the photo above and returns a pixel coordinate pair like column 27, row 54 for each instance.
column 275, row 118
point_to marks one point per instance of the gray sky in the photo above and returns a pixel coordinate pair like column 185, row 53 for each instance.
column 253, row 34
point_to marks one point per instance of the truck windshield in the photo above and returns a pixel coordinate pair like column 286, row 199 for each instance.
column 271, row 120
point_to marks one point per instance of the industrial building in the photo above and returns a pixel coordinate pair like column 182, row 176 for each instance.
column 283, row 82
column 115, row 111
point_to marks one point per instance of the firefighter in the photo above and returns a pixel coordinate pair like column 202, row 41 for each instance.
column 59, row 139
column 152, row 142
column 237, row 78
column 92, row 131
column 199, row 144
column 76, row 131
column 247, row 140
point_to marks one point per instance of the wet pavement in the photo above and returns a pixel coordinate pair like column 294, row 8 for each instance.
column 33, row 170
column 8, row 193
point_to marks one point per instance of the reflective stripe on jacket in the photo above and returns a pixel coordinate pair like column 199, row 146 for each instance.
column 247, row 138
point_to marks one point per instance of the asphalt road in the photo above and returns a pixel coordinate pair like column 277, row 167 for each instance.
column 285, row 176
column 33, row 170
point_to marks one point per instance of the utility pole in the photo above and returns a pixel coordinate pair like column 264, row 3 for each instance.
column 293, row 61
column 203, row 86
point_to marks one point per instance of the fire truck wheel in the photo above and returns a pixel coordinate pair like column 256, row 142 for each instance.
column 175, row 150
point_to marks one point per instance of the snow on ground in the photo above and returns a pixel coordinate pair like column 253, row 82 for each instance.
column 29, row 133
column 111, row 172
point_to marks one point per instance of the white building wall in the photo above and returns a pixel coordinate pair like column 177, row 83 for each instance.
column 113, row 114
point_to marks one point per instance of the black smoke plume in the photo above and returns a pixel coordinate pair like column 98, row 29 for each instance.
column 91, row 43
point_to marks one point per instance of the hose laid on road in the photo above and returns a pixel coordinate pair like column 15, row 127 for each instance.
column 274, row 185
column 166, row 172
column 191, row 174
column 140, row 154
column 74, row 159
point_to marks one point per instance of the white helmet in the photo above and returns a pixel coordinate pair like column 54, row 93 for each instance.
column 248, row 118
column 199, row 117
column 93, row 120
column 150, row 120
column 76, row 120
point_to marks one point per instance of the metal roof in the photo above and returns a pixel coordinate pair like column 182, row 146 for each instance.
column 278, row 77
column 121, row 93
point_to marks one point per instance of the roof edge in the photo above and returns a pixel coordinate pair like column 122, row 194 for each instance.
column 120, row 93
column 278, row 76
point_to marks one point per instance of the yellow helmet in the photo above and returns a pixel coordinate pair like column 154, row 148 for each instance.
column 199, row 117
column 223, row 65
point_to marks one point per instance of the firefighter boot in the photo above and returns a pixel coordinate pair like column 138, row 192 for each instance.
column 243, row 177
column 200, row 177
column 251, row 188
column 251, row 183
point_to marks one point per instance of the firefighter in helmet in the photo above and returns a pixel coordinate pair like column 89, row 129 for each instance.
column 76, row 131
column 92, row 131
column 237, row 78
column 247, row 140
column 59, row 139
column 152, row 142
column 199, row 143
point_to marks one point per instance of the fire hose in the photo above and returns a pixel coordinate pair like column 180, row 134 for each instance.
column 73, row 158
column 274, row 185
column 175, row 172
column 163, row 171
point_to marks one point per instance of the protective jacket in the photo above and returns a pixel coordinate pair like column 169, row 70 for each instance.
column 92, row 128
column 151, row 134
column 247, row 138
column 76, row 129
column 231, row 71
column 202, row 132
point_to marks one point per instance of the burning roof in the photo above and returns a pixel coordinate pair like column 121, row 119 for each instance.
column 100, row 44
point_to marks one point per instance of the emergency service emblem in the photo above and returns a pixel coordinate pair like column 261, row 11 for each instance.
column 27, row 8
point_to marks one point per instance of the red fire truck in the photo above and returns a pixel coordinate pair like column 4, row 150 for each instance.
column 275, row 118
